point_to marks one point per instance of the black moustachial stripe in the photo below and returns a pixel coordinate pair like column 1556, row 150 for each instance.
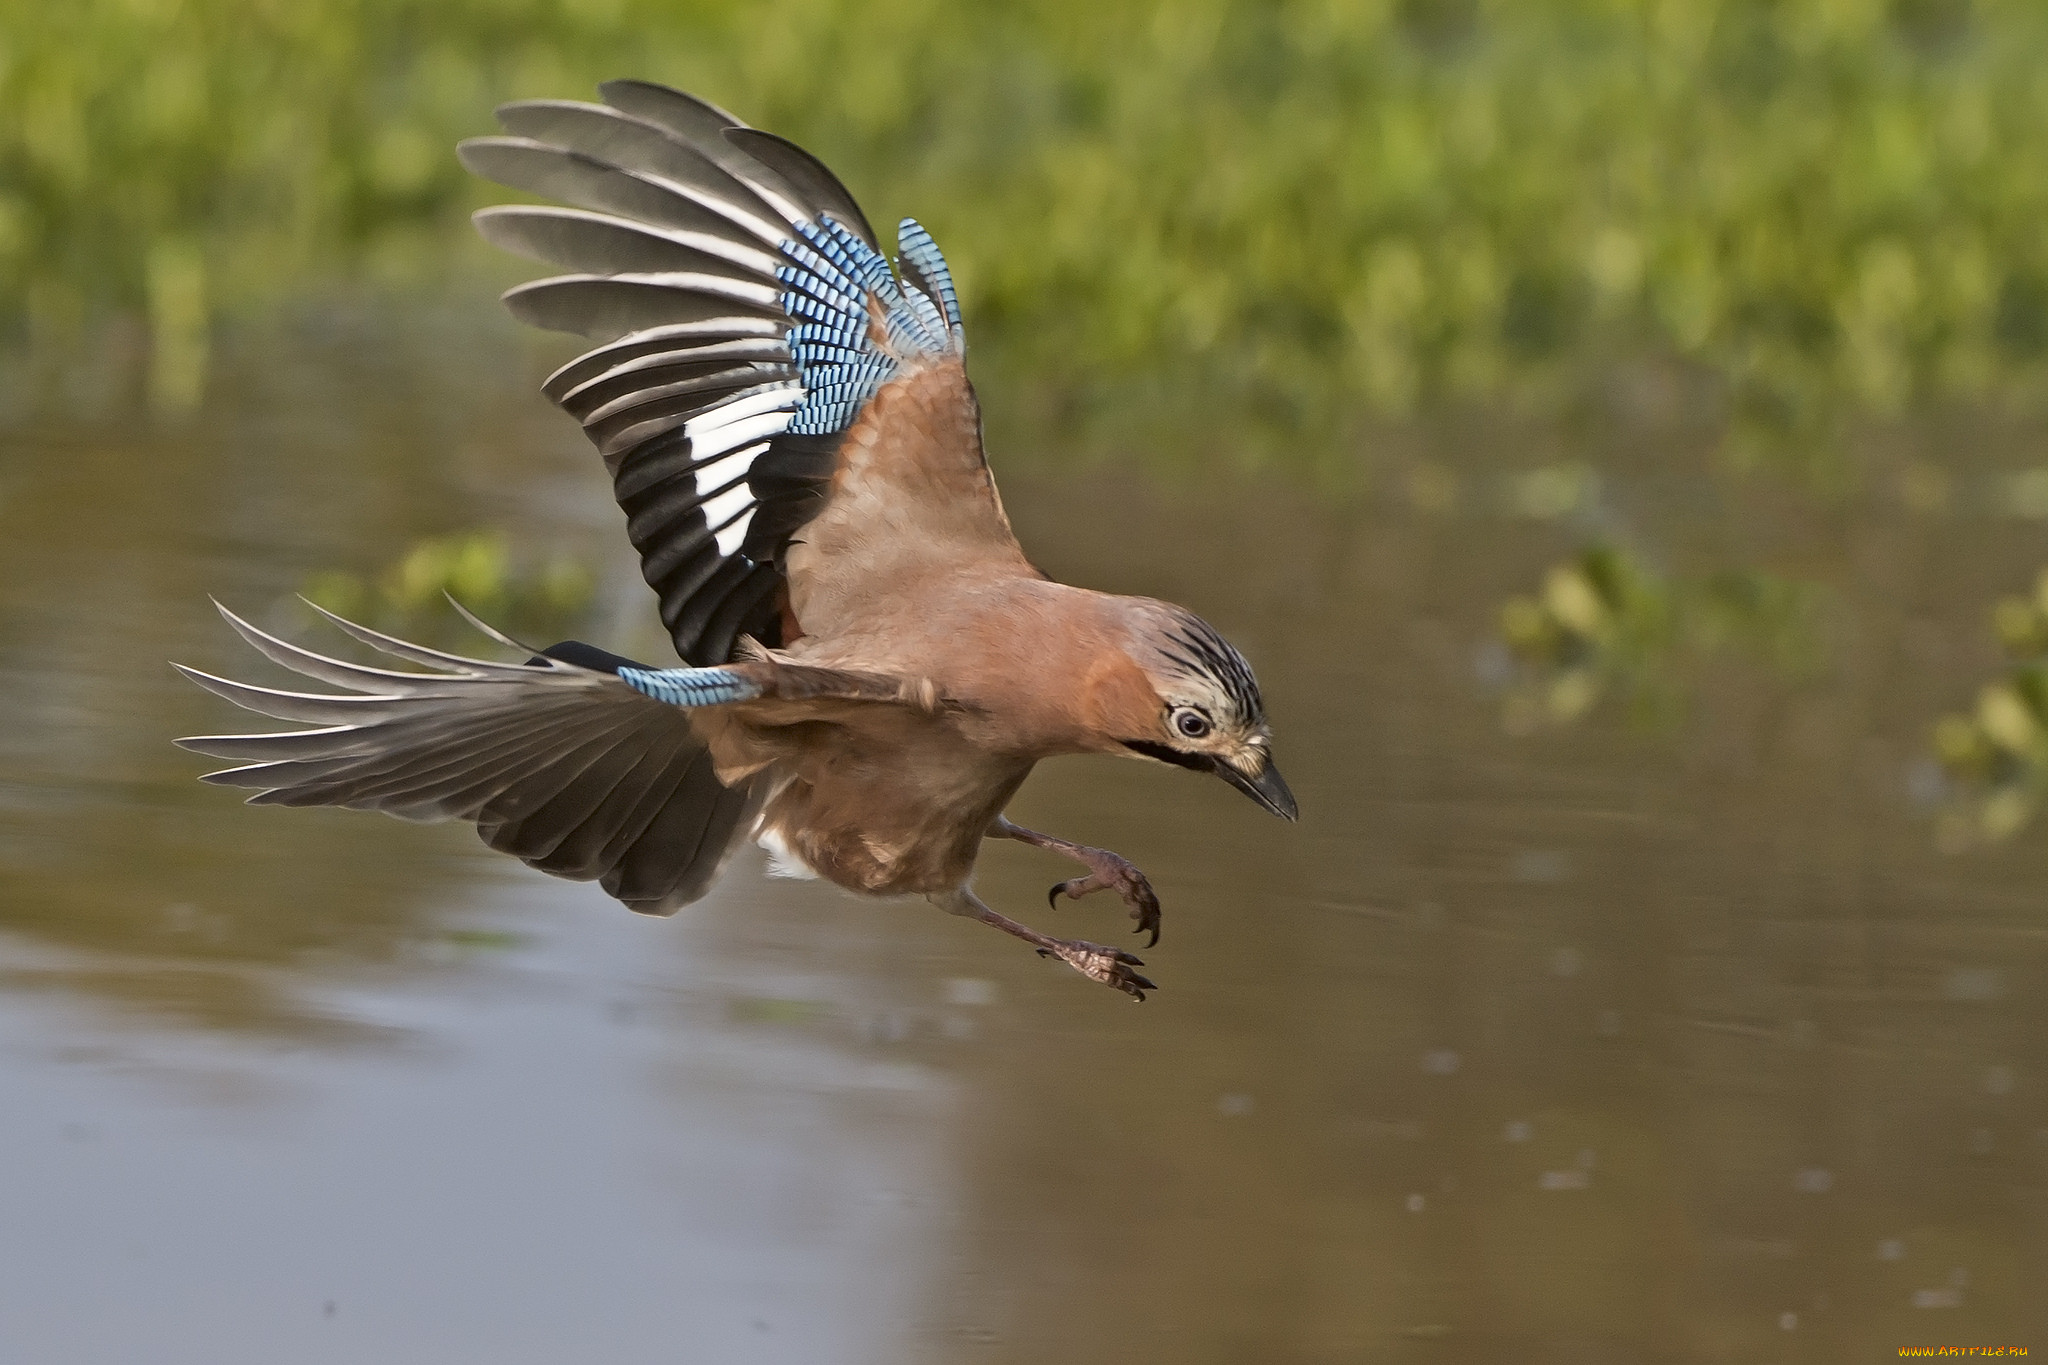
column 1200, row 763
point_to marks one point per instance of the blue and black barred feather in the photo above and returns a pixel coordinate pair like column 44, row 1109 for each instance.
column 746, row 317
column 837, row 283
column 691, row 686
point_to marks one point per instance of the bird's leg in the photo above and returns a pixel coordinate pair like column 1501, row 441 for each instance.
column 1110, row 966
column 1106, row 871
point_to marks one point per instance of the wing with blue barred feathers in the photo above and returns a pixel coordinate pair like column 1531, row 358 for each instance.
column 747, row 319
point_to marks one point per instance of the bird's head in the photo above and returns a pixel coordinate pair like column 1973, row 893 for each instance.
column 1198, row 706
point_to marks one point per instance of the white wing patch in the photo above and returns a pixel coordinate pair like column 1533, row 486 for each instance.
column 720, row 511
column 730, row 538
column 766, row 413
column 743, row 304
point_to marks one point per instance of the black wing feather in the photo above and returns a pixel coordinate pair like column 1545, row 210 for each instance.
column 555, row 761
column 807, row 175
column 691, row 235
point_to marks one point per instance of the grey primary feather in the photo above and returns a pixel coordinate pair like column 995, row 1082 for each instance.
column 622, row 356
column 809, row 177
column 609, row 308
column 736, row 291
column 421, row 654
column 589, row 183
column 311, row 708
column 707, row 128
column 567, row 768
column 658, row 372
column 481, row 626
column 678, row 329
column 600, row 243
column 688, row 117
column 647, row 151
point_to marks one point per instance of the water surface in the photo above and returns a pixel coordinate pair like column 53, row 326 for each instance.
column 1628, row 1041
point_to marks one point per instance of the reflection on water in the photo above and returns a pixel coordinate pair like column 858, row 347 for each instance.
column 1604, row 621
column 555, row 1149
column 1997, row 753
column 519, row 595
column 1594, row 1043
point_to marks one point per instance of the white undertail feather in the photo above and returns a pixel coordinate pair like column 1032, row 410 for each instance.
column 782, row 859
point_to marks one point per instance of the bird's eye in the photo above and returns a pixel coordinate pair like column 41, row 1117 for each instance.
column 1190, row 723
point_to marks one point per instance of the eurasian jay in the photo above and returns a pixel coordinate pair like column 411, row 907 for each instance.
column 873, row 665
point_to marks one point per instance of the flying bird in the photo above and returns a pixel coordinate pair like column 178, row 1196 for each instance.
column 872, row 666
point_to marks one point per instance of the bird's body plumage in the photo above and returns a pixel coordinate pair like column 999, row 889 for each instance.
column 874, row 665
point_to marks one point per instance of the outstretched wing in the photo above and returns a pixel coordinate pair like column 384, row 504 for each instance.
column 749, row 323
column 587, row 774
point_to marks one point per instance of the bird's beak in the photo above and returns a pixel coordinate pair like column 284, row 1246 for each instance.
column 1266, row 787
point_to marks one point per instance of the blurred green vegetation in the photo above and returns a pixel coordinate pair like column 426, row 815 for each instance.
column 1996, row 754
column 526, row 597
column 1323, row 208
column 1603, row 622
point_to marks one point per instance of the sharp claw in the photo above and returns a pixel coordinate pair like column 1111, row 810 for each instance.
column 1120, row 976
column 1052, row 897
column 1152, row 942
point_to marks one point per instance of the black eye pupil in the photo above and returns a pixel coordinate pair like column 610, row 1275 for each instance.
column 1192, row 725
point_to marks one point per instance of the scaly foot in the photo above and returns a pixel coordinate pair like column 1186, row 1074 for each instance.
column 1106, row 871
column 1109, row 872
column 1110, row 966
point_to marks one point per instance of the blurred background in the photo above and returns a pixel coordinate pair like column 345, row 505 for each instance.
column 1617, row 431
